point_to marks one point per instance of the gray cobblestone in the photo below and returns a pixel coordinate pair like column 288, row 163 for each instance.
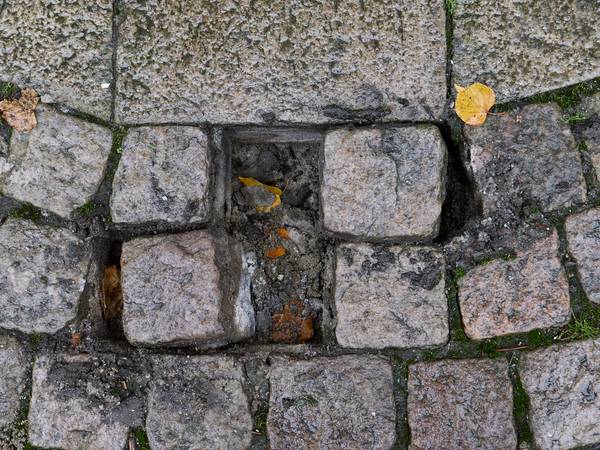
column 63, row 159
column 390, row 297
column 163, row 176
column 583, row 233
column 352, row 62
column 14, row 364
column 381, row 183
column 42, row 276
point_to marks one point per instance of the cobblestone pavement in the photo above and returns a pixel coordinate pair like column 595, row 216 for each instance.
column 403, row 281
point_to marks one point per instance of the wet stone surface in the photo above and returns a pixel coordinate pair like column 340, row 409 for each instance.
column 517, row 295
column 390, row 297
column 14, row 363
column 62, row 159
column 562, row 383
column 525, row 158
column 163, row 176
column 523, row 48
column 454, row 405
column 207, row 277
column 342, row 402
column 384, row 183
column 42, row 276
column 85, row 401
column 293, row 61
column 583, row 234
column 198, row 402
column 287, row 291
column 61, row 49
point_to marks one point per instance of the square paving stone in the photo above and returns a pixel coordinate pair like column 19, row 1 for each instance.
column 14, row 367
column 520, row 48
column 185, row 289
column 562, row 383
column 61, row 49
column 42, row 276
column 163, row 176
column 85, row 402
column 583, row 235
column 198, row 402
column 390, row 296
column 461, row 404
column 527, row 157
column 383, row 183
column 59, row 165
column 341, row 402
column 292, row 61
column 516, row 296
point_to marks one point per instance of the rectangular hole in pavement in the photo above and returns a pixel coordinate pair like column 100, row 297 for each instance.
column 111, row 294
column 287, row 288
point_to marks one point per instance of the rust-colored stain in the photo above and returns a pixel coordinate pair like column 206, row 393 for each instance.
column 283, row 233
column 290, row 327
column 275, row 253
column 112, row 295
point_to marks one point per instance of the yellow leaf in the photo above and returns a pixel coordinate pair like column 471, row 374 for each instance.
column 246, row 181
column 473, row 103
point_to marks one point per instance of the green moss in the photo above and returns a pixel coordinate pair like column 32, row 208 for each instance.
column 450, row 6
column 504, row 255
column 119, row 134
column 489, row 348
column 459, row 272
column 260, row 420
column 87, row 208
column 7, row 89
column 34, row 340
column 567, row 97
column 575, row 118
column 521, row 411
column 582, row 147
column 540, row 338
column 27, row 212
column 141, row 438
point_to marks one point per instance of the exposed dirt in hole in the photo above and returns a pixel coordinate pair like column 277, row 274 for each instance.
column 282, row 245
column 111, row 294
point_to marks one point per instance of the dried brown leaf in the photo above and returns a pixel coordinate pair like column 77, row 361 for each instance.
column 112, row 295
column 19, row 113
column 275, row 253
column 290, row 326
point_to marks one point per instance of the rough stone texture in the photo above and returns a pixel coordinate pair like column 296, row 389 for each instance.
column 198, row 402
column 380, row 183
column 42, row 276
column 455, row 405
column 83, row 401
column 390, row 297
column 59, row 165
column 516, row 296
column 521, row 48
column 293, row 61
column 14, row 364
column 61, row 49
column 589, row 130
column 189, row 288
column 562, row 384
column 342, row 402
column 163, row 176
column 526, row 158
column 583, row 234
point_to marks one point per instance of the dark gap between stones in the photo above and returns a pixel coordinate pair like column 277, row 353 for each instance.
column 111, row 294
column 460, row 205
column 287, row 289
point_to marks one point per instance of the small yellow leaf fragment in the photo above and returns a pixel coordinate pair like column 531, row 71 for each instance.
column 246, row 181
column 275, row 253
column 283, row 233
column 20, row 113
column 473, row 103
